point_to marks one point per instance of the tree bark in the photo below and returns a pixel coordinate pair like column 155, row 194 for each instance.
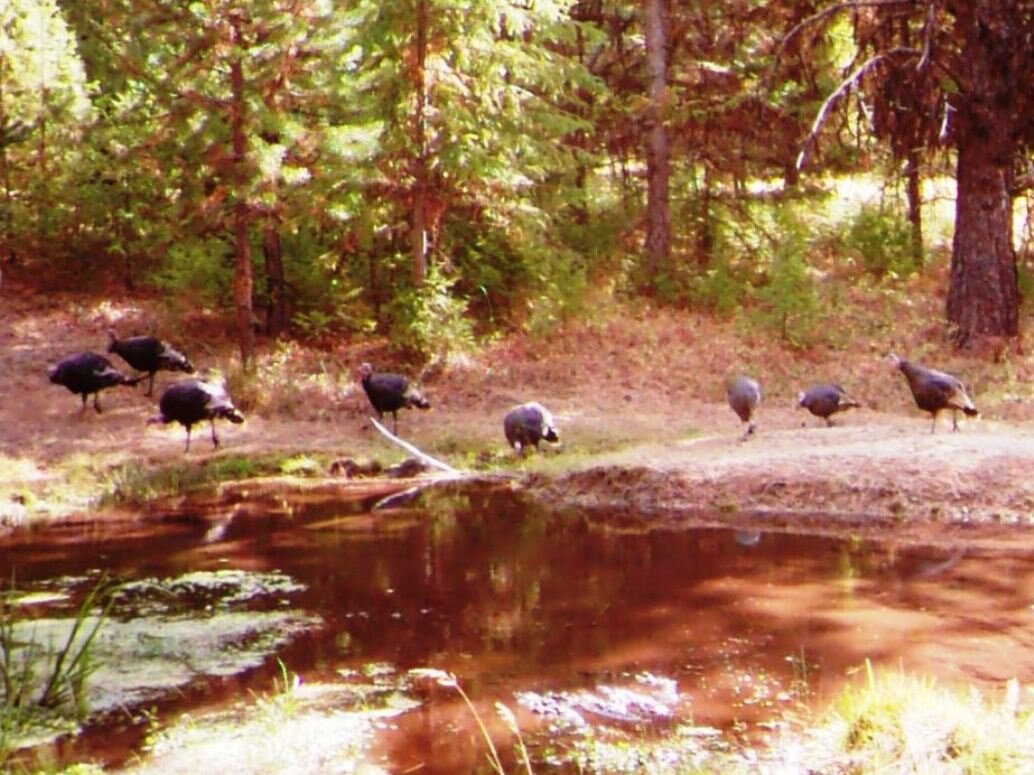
column 658, row 166
column 983, row 295
column 243, row 282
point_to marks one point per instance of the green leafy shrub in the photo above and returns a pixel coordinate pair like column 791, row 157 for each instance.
column 325, row 294
column 430, row 320
column 788, row 301
column 202, row 270
column 882, row 240
column 718, row 288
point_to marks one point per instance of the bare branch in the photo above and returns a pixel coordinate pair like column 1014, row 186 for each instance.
column 928, row 28
column 433, row 462
column 825, row 12
column 842, row 89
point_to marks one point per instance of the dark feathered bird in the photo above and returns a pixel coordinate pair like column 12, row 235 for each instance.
column 146, row 353
column 934, row 390
column 527, row 425
column 825, row 401
column 88, row 373
column 390, row 392
column 744, row 395
column 192, row 401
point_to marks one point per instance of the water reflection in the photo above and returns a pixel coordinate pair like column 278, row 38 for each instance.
column 520, row 601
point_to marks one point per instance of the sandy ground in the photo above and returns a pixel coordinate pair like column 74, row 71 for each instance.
column 678, row 451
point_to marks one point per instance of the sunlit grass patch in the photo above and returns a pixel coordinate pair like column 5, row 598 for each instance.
column 896, row 722
column 136, row 483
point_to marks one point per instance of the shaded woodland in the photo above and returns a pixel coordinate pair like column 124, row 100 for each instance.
column 434, row 171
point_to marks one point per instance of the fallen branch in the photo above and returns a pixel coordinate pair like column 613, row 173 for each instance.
column 423, row 456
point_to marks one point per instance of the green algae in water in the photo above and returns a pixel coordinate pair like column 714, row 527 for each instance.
column 164, row 635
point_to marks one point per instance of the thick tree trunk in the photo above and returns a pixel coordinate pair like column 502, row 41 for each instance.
column 658, row 167
column 243, row 282
column 983, row 297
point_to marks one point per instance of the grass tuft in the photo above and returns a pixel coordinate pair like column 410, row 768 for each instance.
column 897, row 722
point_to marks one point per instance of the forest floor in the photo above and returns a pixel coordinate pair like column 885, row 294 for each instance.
column 638, row 395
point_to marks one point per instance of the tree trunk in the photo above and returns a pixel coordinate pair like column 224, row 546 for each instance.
column 705, row 226
column 915, row 202
column 243, row 282
column 418, row 225
column 658, row 167
column 983, row 297
column 276, row 287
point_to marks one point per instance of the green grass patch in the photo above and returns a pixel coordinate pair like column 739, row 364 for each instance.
column 135, row 483
column 897, row 722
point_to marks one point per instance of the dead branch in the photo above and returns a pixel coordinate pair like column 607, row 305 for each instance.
column 411, row 449
column 818, row 17
column 842, row 89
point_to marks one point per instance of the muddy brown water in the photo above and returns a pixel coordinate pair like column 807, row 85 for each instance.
column 531, row 606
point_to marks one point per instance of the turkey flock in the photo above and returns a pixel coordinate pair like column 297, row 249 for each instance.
column 933, row 391
column 192, row 400
column 187, row 402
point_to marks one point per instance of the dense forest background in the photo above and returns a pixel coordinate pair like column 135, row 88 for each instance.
column 440, row 171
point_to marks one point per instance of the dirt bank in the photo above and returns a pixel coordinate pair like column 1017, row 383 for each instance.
column 640, row 406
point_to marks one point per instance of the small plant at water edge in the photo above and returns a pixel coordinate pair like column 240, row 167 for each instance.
column 450, row 681
column 41, row 682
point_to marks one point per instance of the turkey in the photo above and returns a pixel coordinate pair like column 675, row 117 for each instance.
column 192, row 401
column 88, row 373
column 390, row 392
column 146, row 353
column 744, row 395
column 825, row 401
column 527, row 425
column 934, row 390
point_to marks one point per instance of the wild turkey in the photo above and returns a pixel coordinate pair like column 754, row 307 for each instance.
column 88, row 373
column 390, row 392
column 528, row 424
column 934, row 390
column 192, row 401
column 146, row 353
column 744, row 395
column 825, row 400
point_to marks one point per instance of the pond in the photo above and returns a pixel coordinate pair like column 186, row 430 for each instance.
column 568, row 621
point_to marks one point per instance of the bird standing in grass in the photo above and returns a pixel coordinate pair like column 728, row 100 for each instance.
column 825, row 400
column 390, row 392
column 744, row 395
column 192, row 401
column 527, row 425
column 88, row 373
column 935, row 391
column 147, row 353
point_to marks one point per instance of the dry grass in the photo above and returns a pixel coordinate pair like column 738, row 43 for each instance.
column 901, row 723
